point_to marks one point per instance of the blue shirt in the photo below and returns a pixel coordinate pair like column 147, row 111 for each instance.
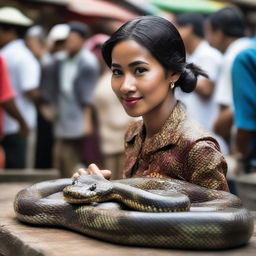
column 244, row 91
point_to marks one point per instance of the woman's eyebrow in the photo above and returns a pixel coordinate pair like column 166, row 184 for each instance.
column 138, row 62
column 114, row 65
column 135, row 63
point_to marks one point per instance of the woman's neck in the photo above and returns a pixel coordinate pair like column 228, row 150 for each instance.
column 155, row 120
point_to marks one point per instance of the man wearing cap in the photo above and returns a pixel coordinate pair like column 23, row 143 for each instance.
column 71, row 92
column 56, row 38
column 24, row 71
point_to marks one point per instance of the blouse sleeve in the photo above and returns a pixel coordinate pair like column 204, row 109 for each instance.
column 208, row 166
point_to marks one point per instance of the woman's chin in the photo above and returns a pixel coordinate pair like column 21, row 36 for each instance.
column 133, row 113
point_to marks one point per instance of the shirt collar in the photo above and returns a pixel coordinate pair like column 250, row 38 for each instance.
column 169, row 133
column 13, row 43
column 76, row 58
column 201, row 46
column 237, row 45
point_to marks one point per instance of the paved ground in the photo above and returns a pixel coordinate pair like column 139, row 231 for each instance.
column 17, row 239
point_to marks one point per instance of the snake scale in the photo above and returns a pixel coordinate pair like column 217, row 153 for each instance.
column 188, row 217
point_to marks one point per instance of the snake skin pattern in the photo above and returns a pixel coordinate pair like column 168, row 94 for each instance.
column 182, row 150
column 201, row 218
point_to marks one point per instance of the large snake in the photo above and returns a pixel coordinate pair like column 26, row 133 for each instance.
column 190, row 216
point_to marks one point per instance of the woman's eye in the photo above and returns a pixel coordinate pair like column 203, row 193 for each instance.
column 116, row 72
column 140, row 71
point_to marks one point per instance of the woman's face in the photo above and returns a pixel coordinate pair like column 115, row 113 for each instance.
column 139, row 80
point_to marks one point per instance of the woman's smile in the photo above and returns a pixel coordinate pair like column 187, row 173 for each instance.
column 130, row 101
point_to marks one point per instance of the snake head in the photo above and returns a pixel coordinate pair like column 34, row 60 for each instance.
column 87, row 189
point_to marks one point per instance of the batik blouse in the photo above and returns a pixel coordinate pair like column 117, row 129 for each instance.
column 182, row 149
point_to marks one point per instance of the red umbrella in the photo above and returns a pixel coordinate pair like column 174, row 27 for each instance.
column 103, row 9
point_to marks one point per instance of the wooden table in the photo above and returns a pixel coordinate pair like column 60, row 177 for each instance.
column 17, row 239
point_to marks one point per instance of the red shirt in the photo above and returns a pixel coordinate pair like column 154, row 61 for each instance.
column 6, row 91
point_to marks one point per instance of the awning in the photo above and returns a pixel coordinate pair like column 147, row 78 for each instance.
column 97, row 8
column 182, row 6
column 248, row 3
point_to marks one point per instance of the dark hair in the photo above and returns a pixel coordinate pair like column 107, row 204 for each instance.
column 195, row 20
column 229, row 20
column 163, row 41
column 80, row 28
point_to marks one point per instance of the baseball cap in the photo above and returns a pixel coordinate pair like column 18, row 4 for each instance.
column 58, row 32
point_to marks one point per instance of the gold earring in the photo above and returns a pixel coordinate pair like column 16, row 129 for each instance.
column 172, row 85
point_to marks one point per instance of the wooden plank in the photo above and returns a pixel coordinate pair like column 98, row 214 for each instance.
column 28, row 175
column 20, row 239
column 246, row 185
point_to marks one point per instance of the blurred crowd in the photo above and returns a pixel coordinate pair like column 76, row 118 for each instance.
column 58, row 109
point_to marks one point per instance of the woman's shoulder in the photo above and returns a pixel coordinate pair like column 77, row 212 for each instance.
column 192, row 131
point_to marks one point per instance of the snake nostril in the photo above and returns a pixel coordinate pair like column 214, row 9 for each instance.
column 93, row 187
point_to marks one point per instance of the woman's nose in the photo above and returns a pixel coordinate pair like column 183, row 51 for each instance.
column 128, row 84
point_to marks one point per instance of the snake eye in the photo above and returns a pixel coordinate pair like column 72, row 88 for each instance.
column 93, row 187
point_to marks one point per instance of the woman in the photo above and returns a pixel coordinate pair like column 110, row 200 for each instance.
column 147, row 59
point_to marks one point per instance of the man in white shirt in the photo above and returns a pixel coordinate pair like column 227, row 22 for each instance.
column 71, row 93
column 225, row 31
column 24, row 71
column 201, row 103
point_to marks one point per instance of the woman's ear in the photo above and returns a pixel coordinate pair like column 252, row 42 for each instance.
column 174, row 77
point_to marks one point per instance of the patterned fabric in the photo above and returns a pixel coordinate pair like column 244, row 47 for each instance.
column 181, row 149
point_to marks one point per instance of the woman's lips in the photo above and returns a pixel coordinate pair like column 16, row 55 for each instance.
column 131, row 101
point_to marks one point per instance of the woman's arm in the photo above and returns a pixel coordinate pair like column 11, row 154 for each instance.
column 208, row 166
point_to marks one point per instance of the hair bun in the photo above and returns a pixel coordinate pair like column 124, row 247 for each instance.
column 188, row 78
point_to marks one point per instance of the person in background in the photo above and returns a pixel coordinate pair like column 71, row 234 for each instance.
column 200, row 103
column 54, row 52
column 7, row 104
column 244, row 91
column 71, row 93
column 225, row 30
column 112, row 119
column 35, row 39
column 56, row 38
column 24, row 71
column 36, row 42
column 55, row 42
column 147, row 65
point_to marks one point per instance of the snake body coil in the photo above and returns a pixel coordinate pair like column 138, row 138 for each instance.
column 194, row 218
